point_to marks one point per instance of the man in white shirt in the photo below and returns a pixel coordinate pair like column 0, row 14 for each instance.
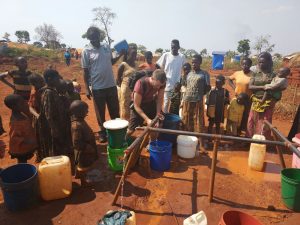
column 171, row 63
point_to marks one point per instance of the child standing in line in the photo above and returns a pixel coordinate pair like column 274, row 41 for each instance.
column 216, row 101
column 72, row 95
column 186, row 70
column 64, row 108
column 235, row 114
column 84, row 143
column 20, row 85
column 174, row 99
column 51, row 133
column 192, row 103
column 22, row 139
column 34, row 103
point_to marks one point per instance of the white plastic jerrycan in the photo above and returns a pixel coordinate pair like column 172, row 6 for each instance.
column 257, row 154
column 55, row 177
column 196, row 219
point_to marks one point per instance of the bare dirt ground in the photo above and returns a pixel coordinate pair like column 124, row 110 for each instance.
column 159, row 198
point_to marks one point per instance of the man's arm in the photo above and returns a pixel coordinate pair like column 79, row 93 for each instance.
column 86, row 76
column 114, row 60
column 137, row 100
column 120, row 74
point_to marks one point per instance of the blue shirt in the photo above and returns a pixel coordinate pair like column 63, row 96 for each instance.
column 98, row 61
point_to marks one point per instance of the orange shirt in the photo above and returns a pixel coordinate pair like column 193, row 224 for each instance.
column 146, row 66
column 241, row 82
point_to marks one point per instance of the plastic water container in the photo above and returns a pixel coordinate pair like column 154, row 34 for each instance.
column 290, row 188
column 131, row 220
column 19, row 186
column 186, row 146
column 116, row 131
column 196, row 219
column 233, row 217
column 121, row 45
column 160, row 155
column 115, row 158
column 55, row 177
column 257, row 154
column 172, row 122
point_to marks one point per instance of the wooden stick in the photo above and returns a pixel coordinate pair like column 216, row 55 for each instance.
column 132, row 149
column 213, row 171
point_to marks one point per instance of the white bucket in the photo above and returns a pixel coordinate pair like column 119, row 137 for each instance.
column 186, row 146
column 196, row 219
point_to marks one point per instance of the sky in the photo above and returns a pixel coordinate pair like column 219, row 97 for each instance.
column 216, row 25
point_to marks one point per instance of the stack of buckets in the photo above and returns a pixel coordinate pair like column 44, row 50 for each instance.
column 116, row 131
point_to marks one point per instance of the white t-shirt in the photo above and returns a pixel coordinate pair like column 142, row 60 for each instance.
column 172, row 66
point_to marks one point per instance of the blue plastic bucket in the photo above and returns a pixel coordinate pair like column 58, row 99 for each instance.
column 19, row 184
column 160, row 155
column 172, row 122
column 121, row 45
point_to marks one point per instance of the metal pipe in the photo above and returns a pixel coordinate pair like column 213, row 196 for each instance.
column 286, row 142
column 214, row 136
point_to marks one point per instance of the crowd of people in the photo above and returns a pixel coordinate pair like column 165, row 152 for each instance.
column 48, row 116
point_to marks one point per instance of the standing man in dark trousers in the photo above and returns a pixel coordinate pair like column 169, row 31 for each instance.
column 99, row 80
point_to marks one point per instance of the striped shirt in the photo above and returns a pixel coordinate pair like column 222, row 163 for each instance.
column 21, row 83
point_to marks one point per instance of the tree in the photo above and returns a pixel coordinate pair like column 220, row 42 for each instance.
column 190, row 53
column 6, row 36
column 141, row 49
column 102, row 35
column 182, row 51
column 105, row 17
column 262, row 44
column 159, row 50
column 63, row 45
column 230, row 54
column 23, row 36
column 48, row 34
column 37, row 44
column 53, row 44
column 244, row 47
column 203, row 52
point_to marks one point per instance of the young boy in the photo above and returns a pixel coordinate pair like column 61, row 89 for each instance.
column 22, row 139
column 71, row 93
column 20, row 85
column 235, row 114
column 192, row 103
column 278, row 84
column 174, row 99
column 85, row 149
column 148, row 65
column 51, row 132
column 186, row 70
column 216, row 101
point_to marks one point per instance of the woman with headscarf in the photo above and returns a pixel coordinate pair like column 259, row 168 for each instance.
column 261, row 111
column 126, row 69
